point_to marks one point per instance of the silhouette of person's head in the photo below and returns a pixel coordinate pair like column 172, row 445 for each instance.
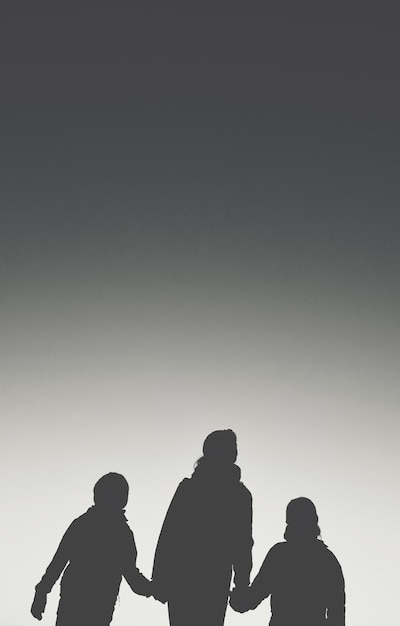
column 220, row 447
column 111, row 491
column 219, row 456
column 301, row 520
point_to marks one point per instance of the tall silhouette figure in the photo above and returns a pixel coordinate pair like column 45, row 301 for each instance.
column 303, row 577
column 98, row 549
column 207, row 532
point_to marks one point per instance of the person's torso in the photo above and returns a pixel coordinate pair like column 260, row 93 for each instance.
column 300, row 585
column 96, row 555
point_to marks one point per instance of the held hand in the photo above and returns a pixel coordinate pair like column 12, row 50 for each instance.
column 160, row 598
column 158, row 594
column 38, row 605
column 238, row 600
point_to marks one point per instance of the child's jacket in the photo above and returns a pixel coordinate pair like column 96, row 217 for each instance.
column 99, row 549
column 305, row 582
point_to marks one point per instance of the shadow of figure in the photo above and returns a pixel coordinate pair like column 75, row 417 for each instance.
column 99, row 549
column 302, row 576
column 207, row 532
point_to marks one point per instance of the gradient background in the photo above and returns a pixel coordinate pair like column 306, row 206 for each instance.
column 199, row 230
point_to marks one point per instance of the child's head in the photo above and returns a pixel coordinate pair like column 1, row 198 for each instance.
column 111, row 491
column 301, row 520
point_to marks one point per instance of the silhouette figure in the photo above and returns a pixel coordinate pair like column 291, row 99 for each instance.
column 302, row 576
column 99, row 549
column 207, row 531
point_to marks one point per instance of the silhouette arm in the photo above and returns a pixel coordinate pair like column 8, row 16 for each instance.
column 165, row 554
column 58, row 563
column 262, row 584
column 243, row 561
column 52, row 574
column 245, row 599
column 336, row 604
column 135, row 579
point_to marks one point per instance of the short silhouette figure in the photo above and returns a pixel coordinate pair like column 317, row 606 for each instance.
column 206, row 534
column 98, row 549
column 303, row 577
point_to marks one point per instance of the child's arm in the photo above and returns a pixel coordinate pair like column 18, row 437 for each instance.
column 135, row 579
column 38, row 604
column 51, row 575
column 245, row 599
column 137, row 582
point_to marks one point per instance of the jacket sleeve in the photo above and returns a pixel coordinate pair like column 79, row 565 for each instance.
column 135, row 579
column 261, row 586
column 245, row 599
column 165, row 554
column 58, row 562
column 242, row 562
column 336, row 601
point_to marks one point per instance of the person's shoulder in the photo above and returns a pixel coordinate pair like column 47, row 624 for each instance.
column 77, row 524
column 185, row 483
column 184, row 486
column 183, row 491
column 126, row 532
column 279, row 548
column 85, row 515
column 245, row 493
column 277, row 554
column 83, row 520
column 330, row 557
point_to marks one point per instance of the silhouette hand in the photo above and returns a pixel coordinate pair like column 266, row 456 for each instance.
column 159, row 594
column 238, row 599
column 38, row 604
column 161, row 599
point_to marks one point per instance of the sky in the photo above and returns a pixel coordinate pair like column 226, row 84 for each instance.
column 199, row 230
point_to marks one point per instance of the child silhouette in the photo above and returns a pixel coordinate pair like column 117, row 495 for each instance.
column 302, row 576
column 99, row 549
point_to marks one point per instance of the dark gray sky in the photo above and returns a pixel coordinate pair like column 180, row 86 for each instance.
column 229, row 141
column 199, row 230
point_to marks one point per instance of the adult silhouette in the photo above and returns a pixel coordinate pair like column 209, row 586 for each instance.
column 302, row 576
column 97, row 550
column 207, row 533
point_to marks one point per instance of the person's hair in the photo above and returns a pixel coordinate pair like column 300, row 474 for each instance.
column 219, row 448
column 301, row 520
column 111, row 490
